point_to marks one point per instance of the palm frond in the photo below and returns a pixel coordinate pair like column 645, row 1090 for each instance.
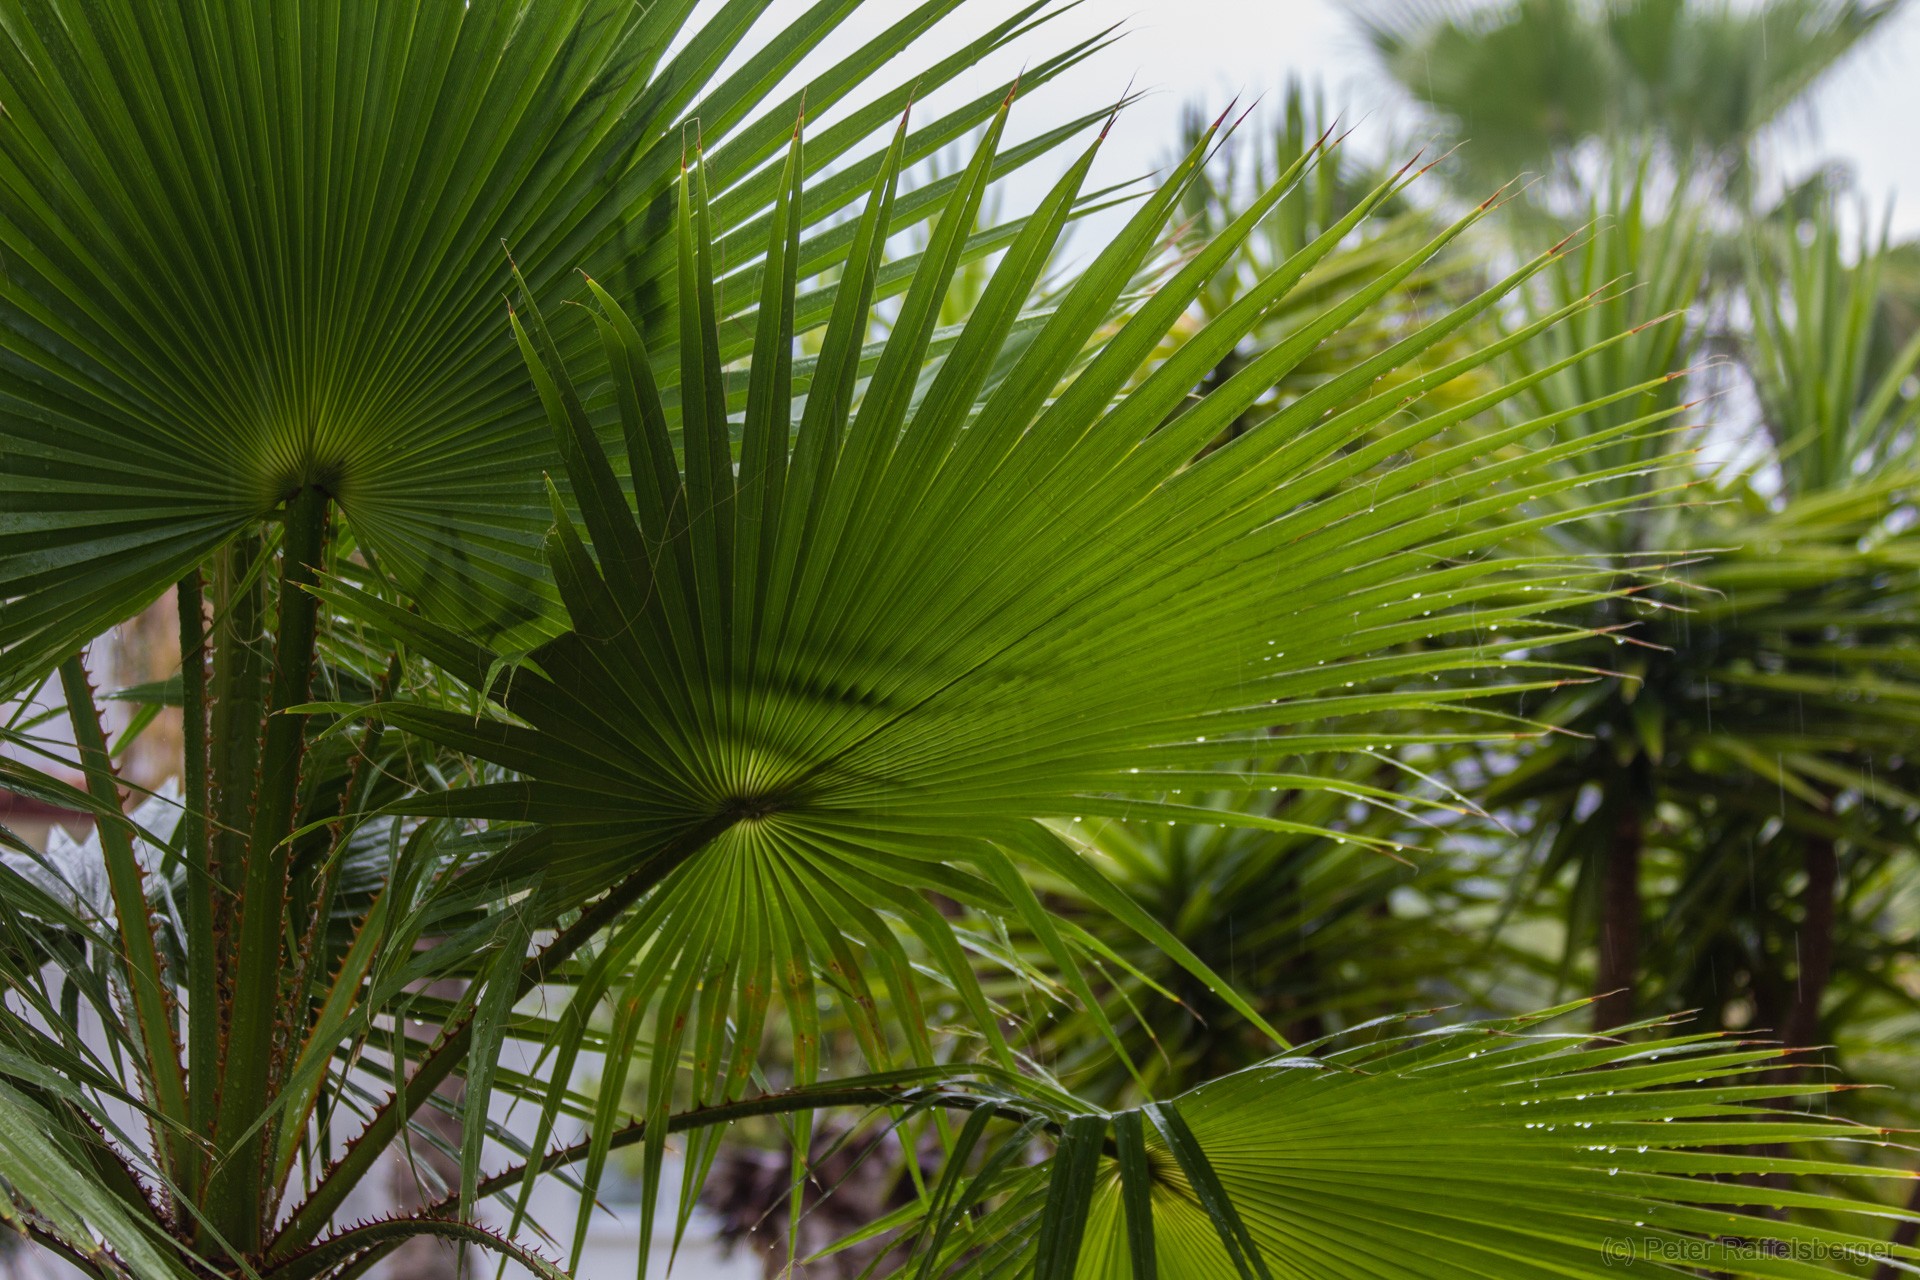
column 807, row 695
column 1485, row 1150
column 254, row 253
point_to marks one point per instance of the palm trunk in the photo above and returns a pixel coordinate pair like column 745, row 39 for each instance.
column 1800, row 1028
column 238, row 1195
column 203, row 944
column 1822, row 863
column 1618, row 969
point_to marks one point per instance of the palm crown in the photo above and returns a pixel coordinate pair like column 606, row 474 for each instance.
column 1534, row 83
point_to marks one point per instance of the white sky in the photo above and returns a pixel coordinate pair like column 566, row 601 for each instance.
column 1211, row 50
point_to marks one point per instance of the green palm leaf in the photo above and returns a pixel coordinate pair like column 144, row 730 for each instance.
column 1834, row 405
column 255, row 251
column 816, row 684
column 1486, row 1150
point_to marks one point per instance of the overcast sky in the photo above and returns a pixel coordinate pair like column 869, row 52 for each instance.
column 1211, row 50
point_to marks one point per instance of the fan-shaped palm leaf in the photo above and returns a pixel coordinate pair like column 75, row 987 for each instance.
column 1489, row 1150
column 256, row 252
column 804, row 691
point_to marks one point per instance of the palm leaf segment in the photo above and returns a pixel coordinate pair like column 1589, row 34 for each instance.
column 251, row 251
column 817, row 676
